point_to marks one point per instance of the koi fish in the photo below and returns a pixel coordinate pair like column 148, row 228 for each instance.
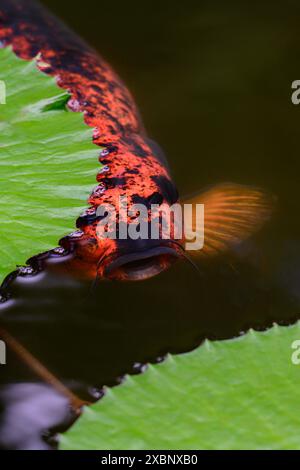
column 133, row 166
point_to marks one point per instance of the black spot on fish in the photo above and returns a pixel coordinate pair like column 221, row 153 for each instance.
column 85, row 220
column 97, row 89
column 111, row 148
column 137, row 149
column 104, row 161
column 140, row 152
column 167, row 189
column 113, row 182
column 112, row 86
column 155, row 198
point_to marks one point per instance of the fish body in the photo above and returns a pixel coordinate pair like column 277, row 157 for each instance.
column 132, row 166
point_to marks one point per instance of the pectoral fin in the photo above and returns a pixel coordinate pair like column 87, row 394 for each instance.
column 232, row 213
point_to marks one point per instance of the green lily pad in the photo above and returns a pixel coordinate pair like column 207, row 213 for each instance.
column 48, row 162
column 237, row 394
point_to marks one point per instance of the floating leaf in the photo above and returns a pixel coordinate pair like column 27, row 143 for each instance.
column 236, row 394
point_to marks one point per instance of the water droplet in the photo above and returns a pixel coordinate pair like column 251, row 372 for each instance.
column 60, row 251
column 44, row 66
column 26, row 271
column 104, row 153
column 74, row 105
column 87, row 212
column 87, row 217
column 120, row 380
column 76, row 234
column 96, row 393
column 139, row 368
column 99, row 190
column 160, row 359
column 105, row 169
column 96, row 133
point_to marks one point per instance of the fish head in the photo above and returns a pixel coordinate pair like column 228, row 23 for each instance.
column 147, row 246
column 133, row 260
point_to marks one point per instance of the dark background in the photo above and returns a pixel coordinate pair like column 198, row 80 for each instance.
column 212, row 80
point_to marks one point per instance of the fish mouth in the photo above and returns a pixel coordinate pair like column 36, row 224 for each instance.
column 141, row 265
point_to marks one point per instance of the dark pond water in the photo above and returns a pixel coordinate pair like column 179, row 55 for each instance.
column 213, row 82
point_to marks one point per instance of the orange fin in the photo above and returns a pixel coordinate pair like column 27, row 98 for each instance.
column 232, row 213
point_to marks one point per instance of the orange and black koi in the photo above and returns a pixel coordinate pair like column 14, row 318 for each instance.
column 133, row 165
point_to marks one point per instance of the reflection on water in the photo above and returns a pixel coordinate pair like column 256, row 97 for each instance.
column 213, row 82
column 30, row 409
